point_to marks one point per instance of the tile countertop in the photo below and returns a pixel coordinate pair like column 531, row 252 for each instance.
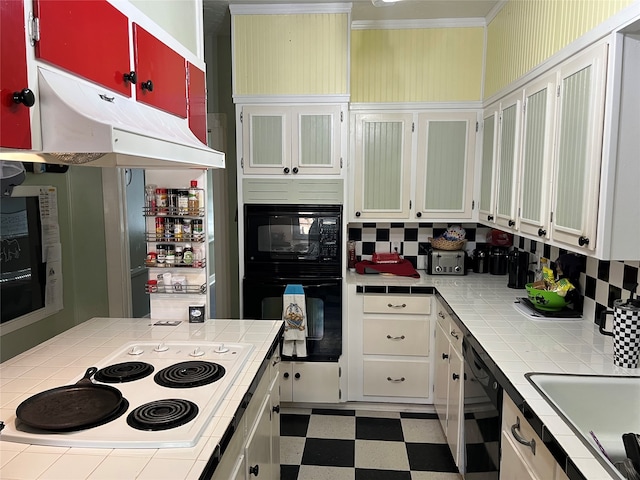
column 59, row 360
column 519, row 345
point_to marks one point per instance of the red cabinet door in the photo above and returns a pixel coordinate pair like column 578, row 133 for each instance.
column 89, row 38
column 15, row 124
column 162, row 73
column 197, row 102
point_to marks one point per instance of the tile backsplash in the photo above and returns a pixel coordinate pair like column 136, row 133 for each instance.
column 601, row 282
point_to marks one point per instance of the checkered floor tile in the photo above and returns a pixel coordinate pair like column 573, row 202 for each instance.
column 318, row 444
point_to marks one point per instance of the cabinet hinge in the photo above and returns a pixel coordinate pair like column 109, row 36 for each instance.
column 409, row 204
column 34, row 29
column 340, row 394
column 341, row 117
column 340, row 162
column 242, row 162
column 551, row 217
column 339, row 372
column 241, row 113
column 477, row 126
column 558, row 91
column 413, row 127
column 473, row 204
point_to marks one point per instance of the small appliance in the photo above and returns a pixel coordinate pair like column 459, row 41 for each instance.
column 517, row 268
column 498, row 260
column 480, row 260
column 446, row 262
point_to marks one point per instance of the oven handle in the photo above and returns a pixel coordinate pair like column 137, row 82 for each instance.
column 332, row 282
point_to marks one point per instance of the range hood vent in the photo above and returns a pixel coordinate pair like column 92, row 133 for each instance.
column 84, row 124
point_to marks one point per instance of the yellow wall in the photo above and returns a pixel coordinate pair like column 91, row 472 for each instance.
column 527, row 32
column 417, row 65
column 298, row 54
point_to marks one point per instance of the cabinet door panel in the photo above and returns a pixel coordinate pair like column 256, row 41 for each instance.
column 445, row 164
column 197, row 102
column 508, row 161
column 487, row 179
column 165, row 68
column 537, row 156
column 15, row 124
column 441, row 375
column 87, row 38
column 266, row 136
column 383, row 165
column 455, row 404
column 316, row 139
column 258, row 448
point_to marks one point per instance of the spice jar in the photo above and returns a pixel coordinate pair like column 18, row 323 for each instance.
column 159, row 227
column 150, row 199
column 183, row 202
column 161, row 254
column 179, row 254
column 172, row 201
column 177, row 228
column 187, row 254
column 168, row 228
column 198, row 231
column 171, row 255
column 151, row 259
column 161, row 201
column 152, row 286
column 194, row 198
column 186, row 228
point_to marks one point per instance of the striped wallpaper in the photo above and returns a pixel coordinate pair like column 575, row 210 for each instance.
column 297, row 54
column 527, row 32
column 417, row 65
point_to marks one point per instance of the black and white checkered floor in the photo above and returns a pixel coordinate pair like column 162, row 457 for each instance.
column 319, row 444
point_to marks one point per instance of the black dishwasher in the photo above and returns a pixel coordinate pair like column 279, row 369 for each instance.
column 482, row 416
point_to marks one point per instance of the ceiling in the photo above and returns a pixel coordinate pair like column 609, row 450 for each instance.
column 217, row 18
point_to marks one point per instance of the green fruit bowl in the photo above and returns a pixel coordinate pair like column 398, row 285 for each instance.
column 544, row 299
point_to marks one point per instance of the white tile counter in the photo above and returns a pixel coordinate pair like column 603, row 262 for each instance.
column 519, row 345
column 63, row 358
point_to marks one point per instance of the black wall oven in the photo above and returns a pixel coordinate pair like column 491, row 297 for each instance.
column 296, row 244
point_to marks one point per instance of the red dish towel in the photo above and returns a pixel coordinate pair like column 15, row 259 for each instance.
column 403, row 269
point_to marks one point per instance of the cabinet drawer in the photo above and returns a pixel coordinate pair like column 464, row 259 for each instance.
column 542, row 463
column 396, row 378
column 403, row 304
column 384, row 336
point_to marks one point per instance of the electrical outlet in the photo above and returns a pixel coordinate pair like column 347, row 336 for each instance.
column 395, row 247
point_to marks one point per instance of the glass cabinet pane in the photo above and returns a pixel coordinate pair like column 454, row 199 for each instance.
column 266, row 140
column 383, row 156
column 507, row 160
column 572, row 150
column 446, row 164
column 534, row 156
column 315, row 140
column 486, row 190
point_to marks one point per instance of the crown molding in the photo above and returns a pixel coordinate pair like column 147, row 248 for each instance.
column 414, row 24
column 289, row 8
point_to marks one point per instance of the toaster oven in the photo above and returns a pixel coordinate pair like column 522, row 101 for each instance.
column 446, row 262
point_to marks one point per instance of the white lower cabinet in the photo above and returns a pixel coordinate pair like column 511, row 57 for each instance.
column 524, row 456
column 390, row 347
column 254, row 448
column 448, row 385
column 311, row 382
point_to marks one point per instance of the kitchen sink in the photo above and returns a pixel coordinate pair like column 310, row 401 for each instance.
column 606, row 405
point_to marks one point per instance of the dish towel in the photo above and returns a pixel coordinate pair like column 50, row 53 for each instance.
column 294, row 314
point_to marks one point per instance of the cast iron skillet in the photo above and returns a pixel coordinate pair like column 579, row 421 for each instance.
column 71, row 407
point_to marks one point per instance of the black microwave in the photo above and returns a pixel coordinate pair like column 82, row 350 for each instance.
column 299, row 240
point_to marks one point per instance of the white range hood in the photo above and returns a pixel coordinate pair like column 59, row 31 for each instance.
column 84, row 124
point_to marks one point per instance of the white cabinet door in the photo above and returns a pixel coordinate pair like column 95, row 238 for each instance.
column 382, row 183
column 316, row 139
column 537, row 157
column 579, row 148
column 441, row 375
column 445, row 164
column 239, row 469
column 316, row 382
column 488, row 177
column 266, row 139
column 508, row 157
column 455, row 416
column 258, row 447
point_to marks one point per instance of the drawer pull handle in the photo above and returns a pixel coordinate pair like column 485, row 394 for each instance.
column 390, row 305
column 441, row 315
column 454, row 334
column 395, row 380
column 515, row 431
column 401, row 337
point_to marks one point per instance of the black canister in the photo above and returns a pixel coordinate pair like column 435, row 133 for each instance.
column 498, row 260
column 480, row 261
column 518, row 268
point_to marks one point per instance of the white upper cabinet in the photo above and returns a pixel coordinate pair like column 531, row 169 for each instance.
column 444, row 166
column 579, row 148
column 291, row 140
column 508, row 151
column 537, row 157
column 489, row 155
column 382, row 173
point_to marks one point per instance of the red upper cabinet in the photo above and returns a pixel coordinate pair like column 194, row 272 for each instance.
column 15, row 95
column 197, row 102
column 162, row 73
column 88, row 38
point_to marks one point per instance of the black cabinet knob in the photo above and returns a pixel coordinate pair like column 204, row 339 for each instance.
column 419, row 214
column 541, row 232
column 445, row 356
column 582, row 241
column 254, row 470
column 131, row 77
column 490, row 218
column 286, row 170
column 455, row 376
column 286, row 375
column 276, row 408
column 297, row 375
column 512, row 223
column 358, row 214
column 25, row 97
column 295, row 170
column 148, row 85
